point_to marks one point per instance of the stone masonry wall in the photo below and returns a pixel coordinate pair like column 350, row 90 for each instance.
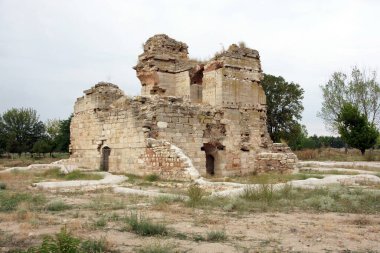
column 212, row 114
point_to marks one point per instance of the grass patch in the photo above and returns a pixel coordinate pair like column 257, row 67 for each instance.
column 10, row 201
column 132, row 178
column 156, row 248
column 331, row 172
column 266, row 198
column 268, row 178
column 65, row 242
column 216, row 236
column 100, row 223
column 57, row 206
column 152, row 177
column 104, row 202
column 145, row 227
column 56, row 173
column 195, row 194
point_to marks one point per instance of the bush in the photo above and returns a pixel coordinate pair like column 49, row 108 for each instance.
column 144, row 227
column 3, row 186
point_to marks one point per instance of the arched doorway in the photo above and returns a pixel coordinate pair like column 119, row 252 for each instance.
column 213, row 152
column 104, row 163
column 210, row 164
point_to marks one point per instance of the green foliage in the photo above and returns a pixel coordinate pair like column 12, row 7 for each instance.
column 216, row 236
column 21, row 128
column 355, row 129
column 195, row 194
column 3, row 186
column 145, row 227
column 284, row 107
column 361, row 90
column 42, row 146
column 62, row 139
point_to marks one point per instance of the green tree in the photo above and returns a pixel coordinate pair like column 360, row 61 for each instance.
column 284, row 107
column 63, row 137
column 361, row 90
column 42, row 146
column 355, row 129
column 21, row 128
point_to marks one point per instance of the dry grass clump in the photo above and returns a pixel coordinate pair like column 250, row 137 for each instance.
column 145, row 227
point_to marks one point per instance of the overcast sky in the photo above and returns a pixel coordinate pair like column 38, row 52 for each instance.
column 52, row 50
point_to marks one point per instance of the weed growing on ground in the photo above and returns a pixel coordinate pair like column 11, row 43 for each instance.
column 65, row 242
column 94, row 246
column 195, row 194
column 145, row 227
column 57, row 205
column 104, row 202
column 216, row 236
column 156, row 248
column 100, row 223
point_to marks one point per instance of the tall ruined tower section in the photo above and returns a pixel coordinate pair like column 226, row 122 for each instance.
column 163, row 68
column 232, row 79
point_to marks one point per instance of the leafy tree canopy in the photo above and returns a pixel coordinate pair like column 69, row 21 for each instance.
column 355, row 129
column 360, row 89
column 21, row 128
column 284, row 108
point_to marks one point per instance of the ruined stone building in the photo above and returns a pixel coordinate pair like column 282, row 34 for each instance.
column 209, row 116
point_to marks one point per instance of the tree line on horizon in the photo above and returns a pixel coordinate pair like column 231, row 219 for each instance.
column 21, row 131
column 350, row 108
